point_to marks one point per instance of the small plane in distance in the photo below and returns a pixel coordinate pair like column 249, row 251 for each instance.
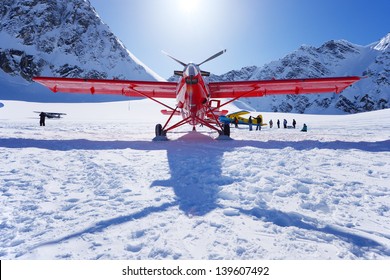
column 231, row 118
column 51, row 115
column 198, row 101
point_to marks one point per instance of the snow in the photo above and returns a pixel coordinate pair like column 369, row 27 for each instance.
column 64, row 39
column 93, row 185
column 383, row 44
column 335, row 58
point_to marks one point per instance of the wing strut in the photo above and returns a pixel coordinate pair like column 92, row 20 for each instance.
column 154, row 99
column 238, row 97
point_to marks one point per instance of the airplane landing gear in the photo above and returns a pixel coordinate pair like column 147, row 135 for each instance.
column 161, row 135
column 226, row 129
column 159, row 130
column 225, row 133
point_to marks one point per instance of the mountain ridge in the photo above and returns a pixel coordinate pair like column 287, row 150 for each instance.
column 333, row 58
column 62, row 39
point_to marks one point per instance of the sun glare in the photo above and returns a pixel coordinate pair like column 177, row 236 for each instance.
column 188, row 6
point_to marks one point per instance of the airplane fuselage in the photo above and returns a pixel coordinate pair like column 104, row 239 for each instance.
column 192, row 94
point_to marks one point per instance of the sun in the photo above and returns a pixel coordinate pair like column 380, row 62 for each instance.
column 188, row 6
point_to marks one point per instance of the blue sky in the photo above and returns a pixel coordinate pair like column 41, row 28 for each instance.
column 254, row 32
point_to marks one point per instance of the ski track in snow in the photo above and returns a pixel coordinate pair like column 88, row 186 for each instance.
column 81, row 188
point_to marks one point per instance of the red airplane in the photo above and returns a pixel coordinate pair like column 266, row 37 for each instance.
column 197, row 100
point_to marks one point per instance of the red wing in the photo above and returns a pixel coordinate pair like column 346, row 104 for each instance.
column 121, row 87
column 268, row 87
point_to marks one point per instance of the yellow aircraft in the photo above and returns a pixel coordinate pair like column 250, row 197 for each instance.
column 231, row 118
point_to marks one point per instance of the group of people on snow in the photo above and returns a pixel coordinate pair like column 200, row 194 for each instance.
column 285, row 124
column 259, row 122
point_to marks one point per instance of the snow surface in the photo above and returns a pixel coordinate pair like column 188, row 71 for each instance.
column 93, row 185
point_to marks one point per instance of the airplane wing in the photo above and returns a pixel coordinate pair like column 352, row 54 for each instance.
column 236, row 114
column 54, row 113
column 150, row 89
column 270, row 87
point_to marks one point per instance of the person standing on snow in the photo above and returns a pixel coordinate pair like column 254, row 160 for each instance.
column 294, row 123
column 271, row 123
column 285, row 123
column 259, row 121
column 278, row 123
column 42, row 117
column 250, row 123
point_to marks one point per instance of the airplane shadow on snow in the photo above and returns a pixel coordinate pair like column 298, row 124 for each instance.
column 195, row 163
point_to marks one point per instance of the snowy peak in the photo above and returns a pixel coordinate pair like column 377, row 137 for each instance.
column 383, row 44
column 307, row 61
column 63, row 39
column 333, row 58
column 69, row 38
column 338, row 48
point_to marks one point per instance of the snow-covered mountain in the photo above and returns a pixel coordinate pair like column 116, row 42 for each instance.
column 333, row 58
column 59, row 38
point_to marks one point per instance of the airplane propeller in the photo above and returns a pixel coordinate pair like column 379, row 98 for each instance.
column 175, row 59
column 185, row 64
column 212, row 57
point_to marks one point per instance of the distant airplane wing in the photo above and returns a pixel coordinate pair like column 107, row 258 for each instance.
column 150, row 89
column 53, row 113
column 271, row 87
column 236, row 114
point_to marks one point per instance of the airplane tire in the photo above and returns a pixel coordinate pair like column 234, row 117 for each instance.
column 226, row 129
column 159, row 130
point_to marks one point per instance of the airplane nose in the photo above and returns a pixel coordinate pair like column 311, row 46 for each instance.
column 191, row 80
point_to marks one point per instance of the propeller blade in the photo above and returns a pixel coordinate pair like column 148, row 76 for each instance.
column 178, row 61
column 212, row 57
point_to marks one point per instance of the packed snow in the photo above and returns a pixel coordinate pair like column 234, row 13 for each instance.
column 93, row 185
